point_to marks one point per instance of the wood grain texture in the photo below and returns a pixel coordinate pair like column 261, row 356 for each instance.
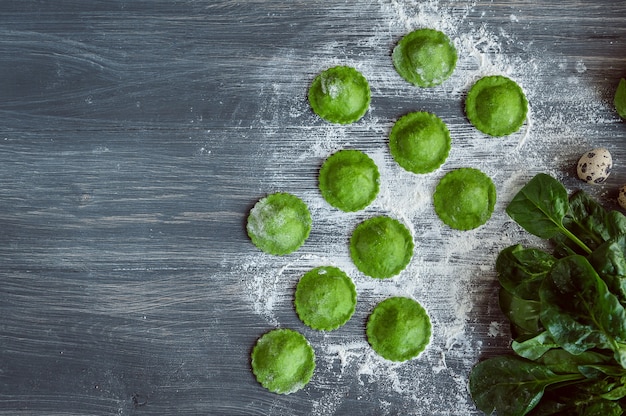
column 135, row 136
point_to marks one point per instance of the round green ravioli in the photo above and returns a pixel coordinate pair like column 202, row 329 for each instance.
column 496, row 105
column 419, row 142
column 279, row 223
column 340, row 94
column 425, row 57
column 464, row 198
column 381, row 247
column 325, row 298
column 349, row 180
column 283, row 361
column 399, row 329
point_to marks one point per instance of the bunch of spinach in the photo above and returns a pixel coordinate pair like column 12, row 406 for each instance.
column 567, row 310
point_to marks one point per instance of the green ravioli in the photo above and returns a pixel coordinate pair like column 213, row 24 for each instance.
column 340, row 94
column 425, row 57
column 325, row 298
column 419, row 142
column 620, row 99
column 283, row 361
column 399, row 329
column 464, row 198
column 349, row 180
column 496, row 105
column 279, row 223
column 381, row 247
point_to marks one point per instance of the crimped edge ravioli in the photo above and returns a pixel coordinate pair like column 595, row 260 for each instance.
column 425, row 57
column 399, row 329
column 496, row 105
column 340, row 94
column 465, row 198
column 283, row 361
column 325, row 298
column 349, row 180
column 279, row 223
column 420, row 142
column 381, row 247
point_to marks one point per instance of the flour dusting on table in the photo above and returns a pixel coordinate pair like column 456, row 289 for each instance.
column 450, row 269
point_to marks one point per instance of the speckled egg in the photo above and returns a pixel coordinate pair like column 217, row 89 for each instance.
column 595, row 166
column 621, row 197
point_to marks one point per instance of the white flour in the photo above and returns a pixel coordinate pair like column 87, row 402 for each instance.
column 443, row 274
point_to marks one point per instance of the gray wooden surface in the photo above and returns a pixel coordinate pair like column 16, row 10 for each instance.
column 136, row 135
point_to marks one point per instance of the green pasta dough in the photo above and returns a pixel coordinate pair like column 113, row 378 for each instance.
column 340, row 94
column 349, row 180
column 496, row 105
column 399, row 329
column 279, row 223
column 381, row 247
column 425, row 57
column 465, row 198
column 325, row 298
column 420, row 142
column 283, row 361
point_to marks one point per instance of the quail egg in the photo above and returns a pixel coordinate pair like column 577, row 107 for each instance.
column 595, row 166
column 621, row 197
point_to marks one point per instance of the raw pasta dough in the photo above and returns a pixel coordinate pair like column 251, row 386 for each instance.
column 279, row 223
column 464, row 198
column 381, row 247
column 399, row 329
column 419, row 142
column 340, row 94
column 325, row 298
column 349, row 180
column 425, row 57
column 496, row 105
column 283, row 361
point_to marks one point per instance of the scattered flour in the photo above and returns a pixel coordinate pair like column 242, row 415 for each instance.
column 443, row 275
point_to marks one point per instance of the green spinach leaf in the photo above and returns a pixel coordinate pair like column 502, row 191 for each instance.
column 540, row 208
column 609, row 260
column 512, row 385
column 561, row 361
column 523, row 314
column 521, row 270
column 590, row 222
column 579, row 311
column 535, row 347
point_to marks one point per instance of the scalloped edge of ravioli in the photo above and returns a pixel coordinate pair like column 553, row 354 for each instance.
column 425, row 57
column 340, row 94
column 349, row 180
column 420, row 142
column 325, row 298
column 381, row 247
column 496, row 105
column 279, row 223
column 283, row 361
column 465, row 198
column 399, row 329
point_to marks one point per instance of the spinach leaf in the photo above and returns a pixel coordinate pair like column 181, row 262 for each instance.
column 521, row 270
column 573, row 402
column 533, row 348
column 540, row 208
column 561, row 361
column 523, row 314
column 580, row 312
column 598, row 370
column 591, row 222
column 512, row 385
column 609, row 260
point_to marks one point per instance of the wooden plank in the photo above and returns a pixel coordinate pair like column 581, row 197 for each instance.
column 136, row 136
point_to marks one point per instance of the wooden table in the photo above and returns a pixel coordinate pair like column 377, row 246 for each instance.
column 136, row 135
